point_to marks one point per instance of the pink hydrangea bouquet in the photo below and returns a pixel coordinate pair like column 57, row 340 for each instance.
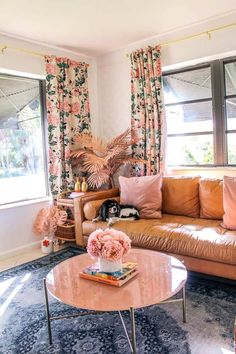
column 109, row 244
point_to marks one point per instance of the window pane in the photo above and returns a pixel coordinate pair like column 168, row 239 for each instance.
column 189, row 118
column 22, row 174
column 190, row 150
column 231, row 113
column 230, row 78
column 231, row 143
column 188, row 85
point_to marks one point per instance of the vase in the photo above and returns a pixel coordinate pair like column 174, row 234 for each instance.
column 77, row 185
column 84, row 185
column 109, row 266
column 46, row 245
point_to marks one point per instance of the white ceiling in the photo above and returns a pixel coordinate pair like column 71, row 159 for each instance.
column 94, row 27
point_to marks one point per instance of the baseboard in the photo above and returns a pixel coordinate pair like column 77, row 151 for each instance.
column 18, row 250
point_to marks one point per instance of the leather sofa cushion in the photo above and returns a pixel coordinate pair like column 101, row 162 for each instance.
column 91, row 208
column 144, row 193
column 229, row 202
column 180, row 196
column 198, row 238
column 211, row 198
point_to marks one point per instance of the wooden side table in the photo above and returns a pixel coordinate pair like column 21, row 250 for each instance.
column 77, row 204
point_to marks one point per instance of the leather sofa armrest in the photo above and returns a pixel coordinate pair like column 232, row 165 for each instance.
column 79, row 206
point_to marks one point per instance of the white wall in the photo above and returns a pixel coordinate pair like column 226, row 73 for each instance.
column 16, row 228
column 16, row 222
column 114, row 68
column 114, row 74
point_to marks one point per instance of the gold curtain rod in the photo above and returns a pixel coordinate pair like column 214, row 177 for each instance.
column 208, row 33
column 26, row 51
column 4, row 47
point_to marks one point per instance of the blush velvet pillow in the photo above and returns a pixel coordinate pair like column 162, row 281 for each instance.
column 144, row 193
column 229, row 202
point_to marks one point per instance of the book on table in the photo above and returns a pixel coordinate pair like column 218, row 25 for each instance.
column 73, row 195
column 68, row 200
column 129, row 270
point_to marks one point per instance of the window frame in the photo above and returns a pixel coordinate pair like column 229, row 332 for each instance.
column 44, row 128
column 43, row 105
column 219, row 114
column 227, row 61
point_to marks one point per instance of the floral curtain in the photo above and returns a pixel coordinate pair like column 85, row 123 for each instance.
column 147, row 110
column 68, row 112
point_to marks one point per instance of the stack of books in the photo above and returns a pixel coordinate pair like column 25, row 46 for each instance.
column 129, row 270
column 73, row 195
column 67, row 198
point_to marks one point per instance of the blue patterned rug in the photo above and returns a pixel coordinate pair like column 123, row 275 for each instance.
column 209, row 329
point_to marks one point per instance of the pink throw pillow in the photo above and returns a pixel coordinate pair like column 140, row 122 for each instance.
column 144, row 193
column 229, row 202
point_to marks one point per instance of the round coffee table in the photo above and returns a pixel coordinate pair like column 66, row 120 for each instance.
column 160, row 277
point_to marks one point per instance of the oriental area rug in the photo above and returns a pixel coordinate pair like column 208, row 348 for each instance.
column 209, row 329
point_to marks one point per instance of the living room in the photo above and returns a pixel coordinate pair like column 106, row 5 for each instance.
column 196, row 41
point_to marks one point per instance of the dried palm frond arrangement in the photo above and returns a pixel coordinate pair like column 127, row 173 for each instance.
column 102, row 159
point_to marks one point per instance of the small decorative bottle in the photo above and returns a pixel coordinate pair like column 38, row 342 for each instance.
column 77, row 185
column 84, row 186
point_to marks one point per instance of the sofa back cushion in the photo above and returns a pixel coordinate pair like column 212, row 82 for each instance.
column 229, row 202
column 211, row 198
column 144, row 193
column 180, row 196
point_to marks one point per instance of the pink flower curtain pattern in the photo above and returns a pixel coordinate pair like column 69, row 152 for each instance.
column 147, row 109
column 68, row 112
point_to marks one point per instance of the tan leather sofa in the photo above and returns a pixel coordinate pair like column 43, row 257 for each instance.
column 190, row 228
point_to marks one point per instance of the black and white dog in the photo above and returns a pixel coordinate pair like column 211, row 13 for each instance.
column 111, row 211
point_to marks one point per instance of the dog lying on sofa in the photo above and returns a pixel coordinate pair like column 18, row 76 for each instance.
column 112, row 212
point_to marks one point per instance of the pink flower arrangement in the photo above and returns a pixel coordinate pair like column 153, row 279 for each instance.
column 109, row 244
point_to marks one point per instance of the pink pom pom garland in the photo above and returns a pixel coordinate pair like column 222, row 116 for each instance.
column 47, row 220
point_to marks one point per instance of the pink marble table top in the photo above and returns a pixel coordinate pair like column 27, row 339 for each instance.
column 160, row 277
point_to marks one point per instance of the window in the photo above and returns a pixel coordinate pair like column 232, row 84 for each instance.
column 230, row 110
column 22, row 144
column 200, row 104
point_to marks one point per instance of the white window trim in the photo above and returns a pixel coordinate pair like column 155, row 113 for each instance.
column 47, row 197
column 25, row 202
